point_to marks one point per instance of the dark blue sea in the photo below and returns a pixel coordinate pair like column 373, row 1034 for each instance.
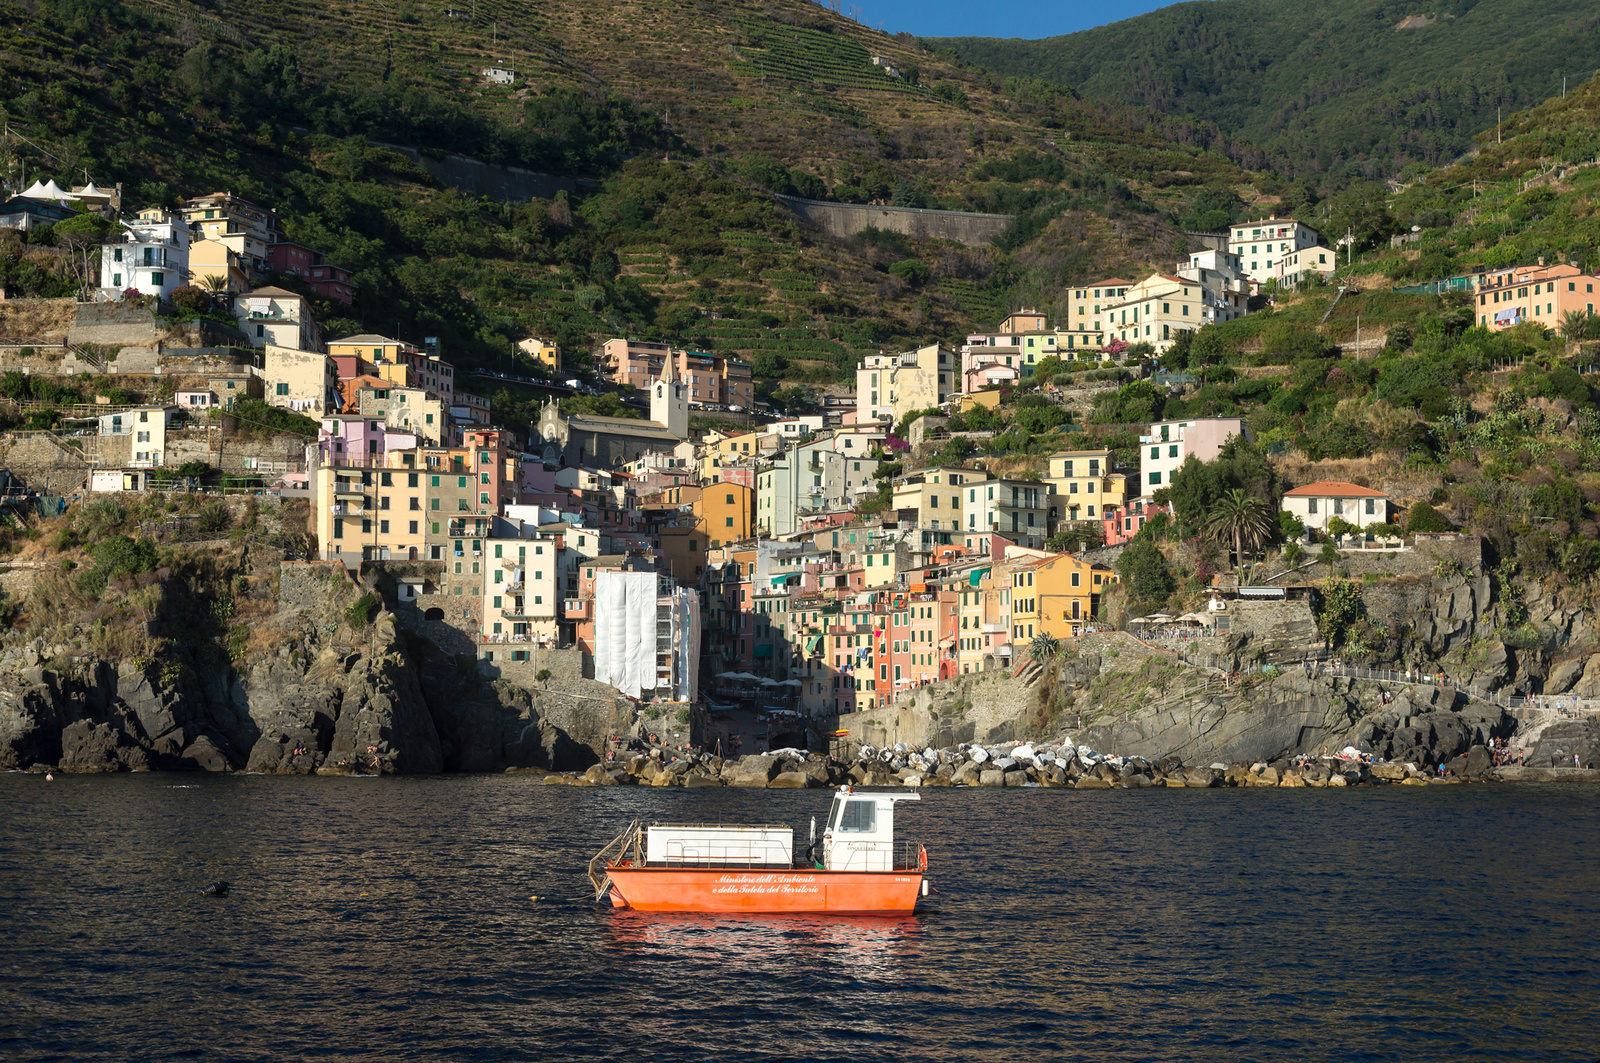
column 394, row 919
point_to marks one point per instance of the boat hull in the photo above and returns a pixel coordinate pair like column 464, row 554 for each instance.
column 671, row 889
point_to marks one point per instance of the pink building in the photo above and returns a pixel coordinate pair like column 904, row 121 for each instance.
column 328, row 280
column 350, row 439
column 713, row 380
column 988, row 374
column 499, row 478
column 1122, row 523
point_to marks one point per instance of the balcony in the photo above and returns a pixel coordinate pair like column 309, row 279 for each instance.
column 349, row 490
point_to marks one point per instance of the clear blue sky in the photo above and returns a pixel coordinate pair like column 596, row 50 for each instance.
column 999, row 18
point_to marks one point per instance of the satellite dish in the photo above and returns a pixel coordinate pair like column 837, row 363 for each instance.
column 1416, row 228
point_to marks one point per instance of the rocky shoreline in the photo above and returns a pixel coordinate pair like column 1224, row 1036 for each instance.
column 1015, row 765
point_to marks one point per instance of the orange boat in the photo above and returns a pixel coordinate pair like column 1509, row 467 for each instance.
column 858, row 866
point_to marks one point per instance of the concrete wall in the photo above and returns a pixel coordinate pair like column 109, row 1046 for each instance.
column 847, row 219
column 508, row 184
column 113, row 324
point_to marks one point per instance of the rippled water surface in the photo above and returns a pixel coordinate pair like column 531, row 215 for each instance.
column 394, row 919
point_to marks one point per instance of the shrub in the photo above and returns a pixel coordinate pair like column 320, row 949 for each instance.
column 1424, row 518
column 362, row 610
column 214, row 517
column 913, row 271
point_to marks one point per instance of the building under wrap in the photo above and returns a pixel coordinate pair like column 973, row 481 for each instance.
column 646, row 635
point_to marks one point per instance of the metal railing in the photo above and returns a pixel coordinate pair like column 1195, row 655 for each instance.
column 612, row 854
column 906, row 854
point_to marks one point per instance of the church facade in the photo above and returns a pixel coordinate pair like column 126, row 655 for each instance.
column 611, row 442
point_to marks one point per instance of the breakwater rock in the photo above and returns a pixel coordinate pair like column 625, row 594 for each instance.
column 1017, row 765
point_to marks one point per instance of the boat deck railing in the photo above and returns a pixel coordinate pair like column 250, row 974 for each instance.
column 906, row 854
column 628, row 844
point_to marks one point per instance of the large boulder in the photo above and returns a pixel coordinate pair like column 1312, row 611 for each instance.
column 790, row 780
column 92, row 747
column 993, row 777
column 755, row 771
column 204, row 754
column 1017, row 778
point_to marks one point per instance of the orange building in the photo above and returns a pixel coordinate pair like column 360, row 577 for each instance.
column 1545, row 294
column 725, row 512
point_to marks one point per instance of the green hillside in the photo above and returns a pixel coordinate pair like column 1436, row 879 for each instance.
column 1320, row 87
column 684, row 120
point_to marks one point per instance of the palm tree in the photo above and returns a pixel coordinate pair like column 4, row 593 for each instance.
column 215, row 285
column 1574, row 324
column 1241, row 519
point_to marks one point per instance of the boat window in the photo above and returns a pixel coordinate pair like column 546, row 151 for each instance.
column 833, row 815
column 859, row 816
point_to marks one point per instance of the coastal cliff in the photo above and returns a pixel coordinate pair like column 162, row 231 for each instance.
column 229, row 658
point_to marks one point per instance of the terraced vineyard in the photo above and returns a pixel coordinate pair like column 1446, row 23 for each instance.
column 807, row 57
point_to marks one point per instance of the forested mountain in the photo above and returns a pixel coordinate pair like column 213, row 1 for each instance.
column 1323, row 86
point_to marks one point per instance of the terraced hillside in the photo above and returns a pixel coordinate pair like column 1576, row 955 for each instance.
column 684, row 117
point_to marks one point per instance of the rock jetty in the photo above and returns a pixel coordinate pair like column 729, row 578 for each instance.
column 1015, row 765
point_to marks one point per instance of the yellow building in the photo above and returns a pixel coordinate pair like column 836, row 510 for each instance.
column 368, row 514
column 243, row 226
column 544, row 352
column 304, row 381
column 1056, row 595
column 1088, row 315
column 210, row 259
column 989, row 399
column 368, row 347
column 1156, row 309
column 934, row 495
column 1084, row 484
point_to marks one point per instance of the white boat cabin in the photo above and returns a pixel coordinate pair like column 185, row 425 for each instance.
column 860, row 831
column 697, row 845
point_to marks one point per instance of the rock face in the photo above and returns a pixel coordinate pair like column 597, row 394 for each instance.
column 387, row 703
column 1560, row 743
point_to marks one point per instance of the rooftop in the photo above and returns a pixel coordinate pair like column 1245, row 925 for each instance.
column 1334, row 489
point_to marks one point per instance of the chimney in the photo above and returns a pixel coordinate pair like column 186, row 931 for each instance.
column 1541, row 261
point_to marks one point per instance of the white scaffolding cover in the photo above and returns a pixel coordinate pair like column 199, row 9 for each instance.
column 625, row 630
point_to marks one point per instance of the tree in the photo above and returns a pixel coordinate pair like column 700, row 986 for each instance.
column 1144, row 570
column 1195, row 488
column 1241, row 519
column 1575, row 324
column 82, row 237
column 1339, row 606
column 215, row 285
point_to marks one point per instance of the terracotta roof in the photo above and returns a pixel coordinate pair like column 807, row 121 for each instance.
column 1333, row 489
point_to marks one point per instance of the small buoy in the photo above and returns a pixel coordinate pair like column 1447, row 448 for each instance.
column 216, row 889
column 534, row 897
column 49, row 777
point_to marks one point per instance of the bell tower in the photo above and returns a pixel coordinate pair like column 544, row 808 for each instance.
column 669, row 400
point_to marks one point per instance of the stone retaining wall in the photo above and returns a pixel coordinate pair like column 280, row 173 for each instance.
column 846, row 219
